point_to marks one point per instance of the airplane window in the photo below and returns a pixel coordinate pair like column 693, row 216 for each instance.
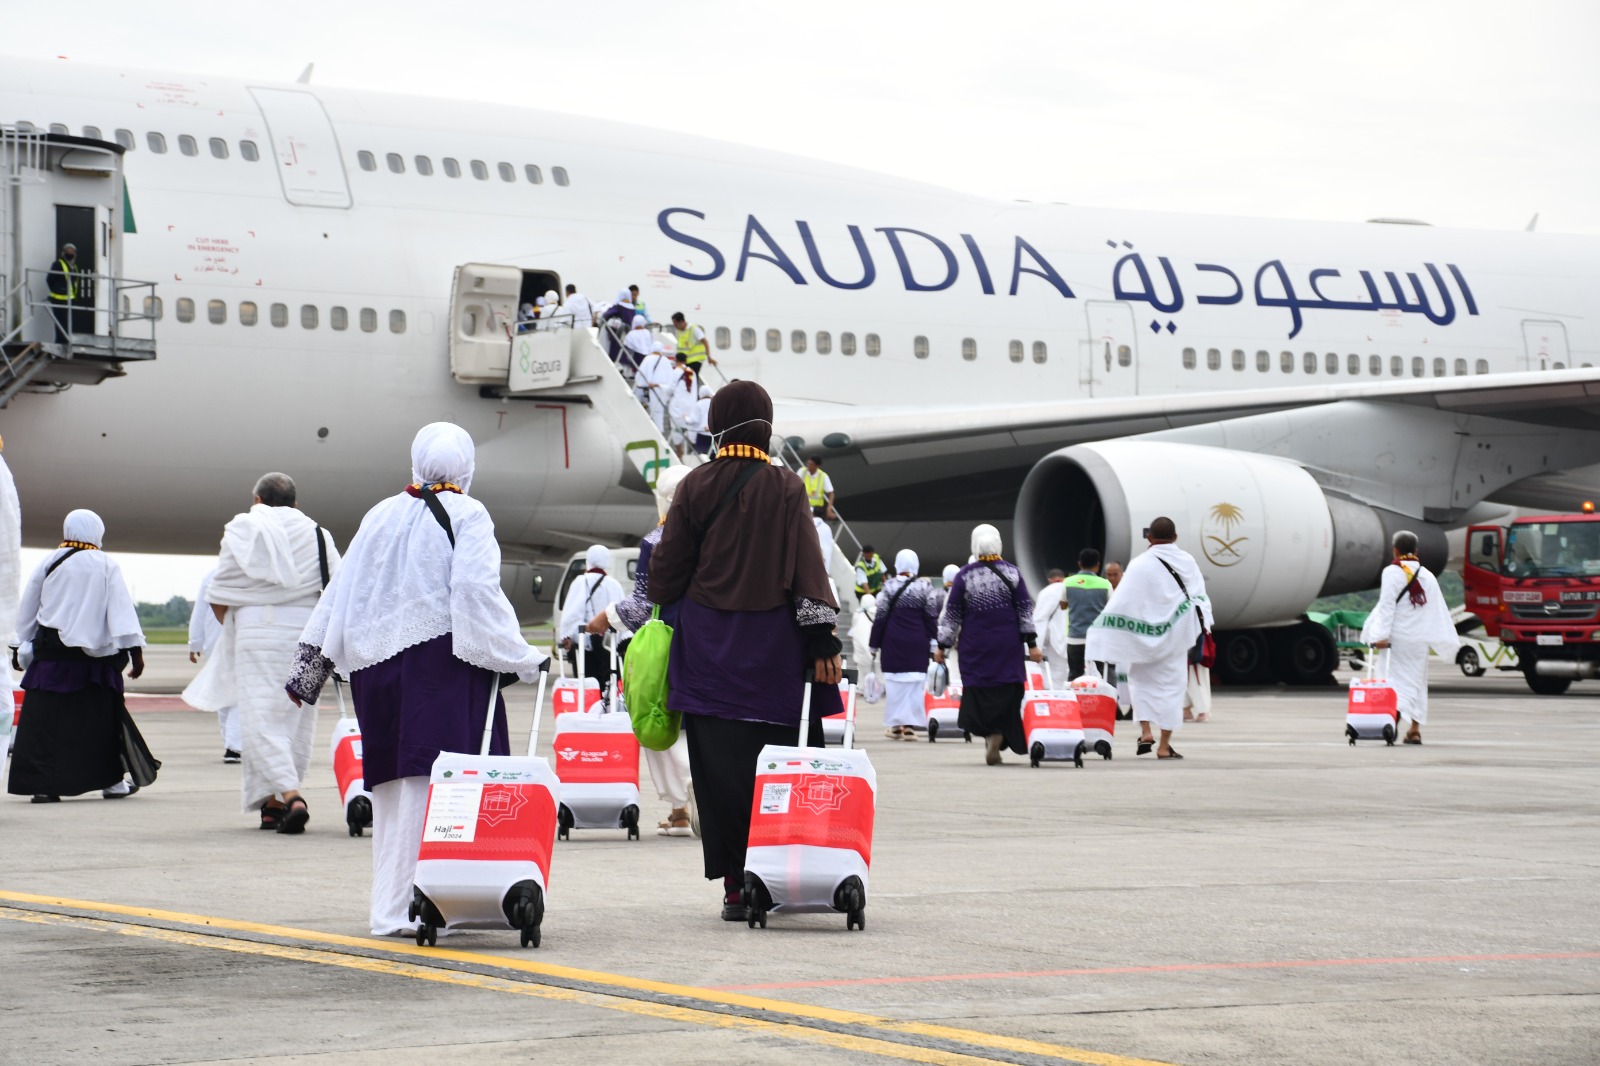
column 125, row 138
column 874, row 346
column 507, row 171
column 560, row 174
column 919, row 347
column 469, row 322
column 219, row 148
column 1352, row 365
column 185, row 312
column 367, row 160
column 824, row 342
column 396, row 161
column 452, row 169
column 92, row 132
column 248, row 152
column 247, row 313
column 747, row 339
column 1213, row 359
column 1438, row 368
column 1286, row 362
column 187, row 145
column 1188, row 358
column 1396, row 366
column 774, row 341
column 1330, row 362
column 797, row 340
column 1238, row 359
column 216, row 312
column 1263, row 362
column 534, row 174
column 1416, row 366
column 724, row 338
column 969, row 349
column 338, row 318
column 1124, row 354
column 279, row 315
column 369, row 320
column 1483, row 366
column 1310, row 362
column 1375, row 366
column 480, row 170
column 1041, row 353
column 308, row 316
column 424, row 165
column 59, row 128
column 158, row 143
column 397, row 321
column 1461, row 368
column 1558, row 366
column 1014, row 351
column 847, row 344
column 152, row 308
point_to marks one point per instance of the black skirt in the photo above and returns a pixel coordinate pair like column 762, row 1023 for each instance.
column 722, row 764
column 994, row 709
column 67, row 743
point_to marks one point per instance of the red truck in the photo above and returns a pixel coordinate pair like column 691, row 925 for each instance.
column 1536, row 586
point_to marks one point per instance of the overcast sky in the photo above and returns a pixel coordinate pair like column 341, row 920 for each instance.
column 1458, row 113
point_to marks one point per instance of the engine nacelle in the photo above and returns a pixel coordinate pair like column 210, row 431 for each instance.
column 1267, row 538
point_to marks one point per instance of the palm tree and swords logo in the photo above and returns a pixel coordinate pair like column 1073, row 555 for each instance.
column 1220, row 539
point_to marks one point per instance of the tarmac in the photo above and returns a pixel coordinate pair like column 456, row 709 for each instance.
column 1276, row 897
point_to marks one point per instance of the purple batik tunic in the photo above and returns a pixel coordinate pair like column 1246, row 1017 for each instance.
column 634, row 611
column 746, row 665
column 902, row 635
column 991, row 617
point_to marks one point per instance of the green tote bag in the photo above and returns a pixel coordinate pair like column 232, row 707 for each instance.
column 646, row 671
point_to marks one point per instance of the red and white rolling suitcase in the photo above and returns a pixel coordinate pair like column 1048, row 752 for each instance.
column 1037, row 678
column 484, row 862
column 810, row 844
column 573, row 694
column 10, row 718
column 347, row 767
column 597, row 760
column 1373, row 712
column 1097, row 709
column 942, row 712
column 1051, row 728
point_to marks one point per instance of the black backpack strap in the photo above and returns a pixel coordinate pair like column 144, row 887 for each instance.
column 431, row 498
column 1415, row 574
column 1203, row 627
column 322, row 557
column 889, row 609
column 69, row 554
column 752, row 468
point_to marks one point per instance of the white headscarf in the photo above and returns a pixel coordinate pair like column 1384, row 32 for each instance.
column 639, row 322
column 85, row 599
column 625, row 297
column 950, row 573
column 537, row 303
column 402, row 583
column 667, row 482
column 985, row 540
column 869, row 605
column 906, row 562
column 598, row 557
column 551, row 299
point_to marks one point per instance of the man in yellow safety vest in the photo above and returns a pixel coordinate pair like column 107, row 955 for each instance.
column 870, row 571
column 692, row 342
column 62, row 280
column 819, row 488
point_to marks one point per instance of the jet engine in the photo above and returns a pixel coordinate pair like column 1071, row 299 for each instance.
column 1267, row 537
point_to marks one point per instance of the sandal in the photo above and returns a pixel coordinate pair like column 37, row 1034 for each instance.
column 1145, row 746
column 1172, row 753
column 270, row 818
column 1412, row 738
column 677, row 824
column 295, row 816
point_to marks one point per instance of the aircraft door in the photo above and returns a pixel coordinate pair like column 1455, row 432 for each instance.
column 1110, row 364
column 483, row 315
column 305, row 148
column 76, row 226
column 1544, row 345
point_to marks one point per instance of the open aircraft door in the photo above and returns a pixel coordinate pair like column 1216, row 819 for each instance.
column 483, row 319
column 1109, row 365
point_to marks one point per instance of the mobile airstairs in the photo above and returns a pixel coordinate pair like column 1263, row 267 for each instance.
column 56, row 190
column 562, row 363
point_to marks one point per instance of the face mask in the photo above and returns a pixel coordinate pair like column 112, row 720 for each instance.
column 716, row 438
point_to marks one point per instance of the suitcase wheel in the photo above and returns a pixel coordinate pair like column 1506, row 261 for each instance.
column 524, row 911
column 851, row 897
column 1350, row 731
column 564, row 823
column 427, row 917
column 933, row 730
column 358, row 815
column 1077, row 754
column 756, row 900
column 1103, row 748
column 630, row 820
column 1035, row 754
column 1389, row 735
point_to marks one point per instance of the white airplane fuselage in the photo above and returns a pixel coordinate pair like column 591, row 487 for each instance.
column 943, row 286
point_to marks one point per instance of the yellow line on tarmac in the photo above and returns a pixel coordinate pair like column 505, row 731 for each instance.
column 971, row 1037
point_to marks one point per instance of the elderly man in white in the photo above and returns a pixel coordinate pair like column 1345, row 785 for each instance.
column 1050, row 622
column 274, row 563
column 1410, row 618
column 1152, row 619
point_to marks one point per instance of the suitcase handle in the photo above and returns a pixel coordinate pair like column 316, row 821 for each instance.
column 850, row 718
column 338, row 694
column 805, row 715
column 538, row 712
column 488, row 718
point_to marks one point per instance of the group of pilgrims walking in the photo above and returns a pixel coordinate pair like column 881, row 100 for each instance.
column 413, row 614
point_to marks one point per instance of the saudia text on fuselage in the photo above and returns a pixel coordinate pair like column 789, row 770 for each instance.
column 1131, row 279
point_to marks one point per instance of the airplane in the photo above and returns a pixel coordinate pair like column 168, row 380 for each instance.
column 334, row 268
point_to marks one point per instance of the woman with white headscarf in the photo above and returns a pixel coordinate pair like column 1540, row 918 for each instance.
column 617, row 320
column 417, row 620
column 78, row 625
column 907, row 620
column 668, row 769
column 988, row 614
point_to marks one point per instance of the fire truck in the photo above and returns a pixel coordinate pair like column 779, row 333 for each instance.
column 1536, row 586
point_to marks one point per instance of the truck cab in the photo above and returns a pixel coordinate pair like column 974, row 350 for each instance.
column 1536, row 586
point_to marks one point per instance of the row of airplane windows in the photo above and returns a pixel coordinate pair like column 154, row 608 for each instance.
column 251, row 152
column 183, row 310
column 1311, row 361
column 800, row 341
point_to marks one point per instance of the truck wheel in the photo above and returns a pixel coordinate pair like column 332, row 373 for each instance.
column 1471, row 665
column 1546, row 686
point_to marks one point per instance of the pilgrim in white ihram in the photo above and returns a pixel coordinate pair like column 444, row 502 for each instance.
column 1410, row 619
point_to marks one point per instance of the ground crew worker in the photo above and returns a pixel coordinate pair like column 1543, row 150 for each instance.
column 870, row 571
column 692, row 343
column 62, row 280
column 1084, row 595
column 819, row 488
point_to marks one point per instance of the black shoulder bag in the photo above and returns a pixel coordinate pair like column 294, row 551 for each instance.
column 322, row 557
column 1205, row 649
column 442, row 516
